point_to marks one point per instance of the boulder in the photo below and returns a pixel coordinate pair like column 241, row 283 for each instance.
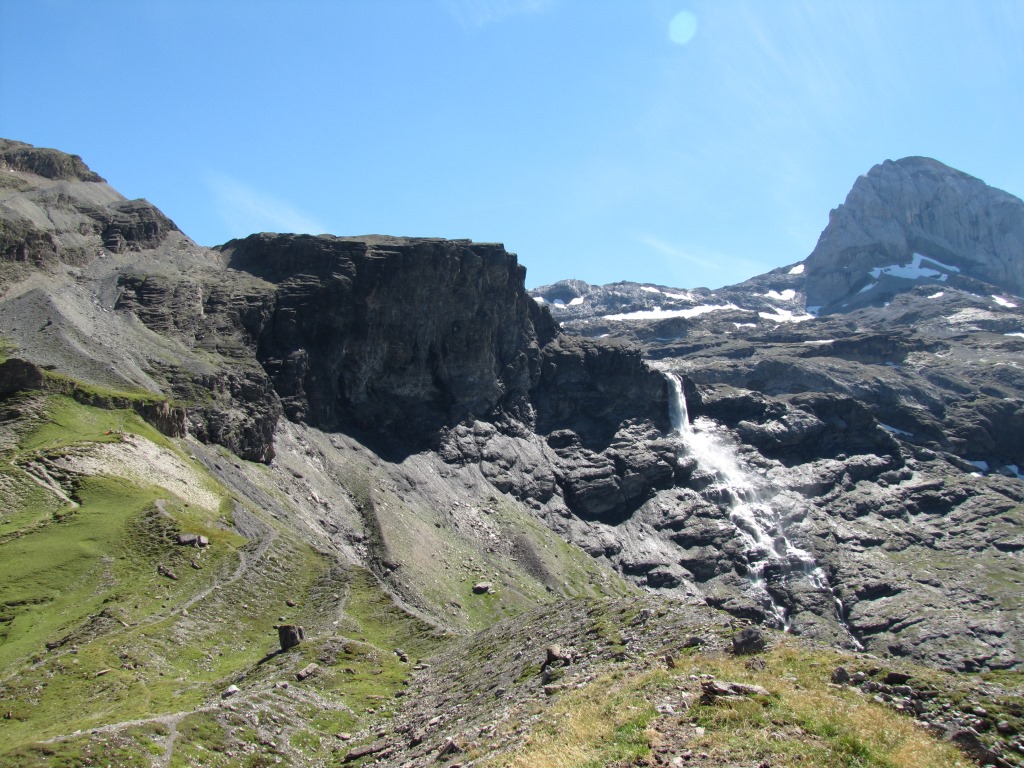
column 748, row 640
column 290, row 635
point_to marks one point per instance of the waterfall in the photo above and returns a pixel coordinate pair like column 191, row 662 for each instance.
column 757, row 524
column 677, row 414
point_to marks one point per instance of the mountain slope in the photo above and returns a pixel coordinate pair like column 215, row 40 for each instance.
column 388, row 442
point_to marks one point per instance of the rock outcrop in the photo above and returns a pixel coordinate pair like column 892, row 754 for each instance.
column 40, row 161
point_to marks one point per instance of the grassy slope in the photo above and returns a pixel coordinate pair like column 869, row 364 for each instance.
column 128, row 643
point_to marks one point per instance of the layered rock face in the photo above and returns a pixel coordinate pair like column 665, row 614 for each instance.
column 56, row 210
column 393, row 338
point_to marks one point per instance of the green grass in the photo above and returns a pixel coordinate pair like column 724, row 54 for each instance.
column 54, row 578
column 7, row 348
column 26, row 505
column 373, row 616
column 97, row 394
column 67, row 422
column 83, row 577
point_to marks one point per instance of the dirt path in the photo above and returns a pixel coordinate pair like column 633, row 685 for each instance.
column 252, row 528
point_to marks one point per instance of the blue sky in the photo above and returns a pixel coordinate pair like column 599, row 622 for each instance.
column 689, row 144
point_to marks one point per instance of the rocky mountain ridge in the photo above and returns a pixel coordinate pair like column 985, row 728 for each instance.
column 403, row 409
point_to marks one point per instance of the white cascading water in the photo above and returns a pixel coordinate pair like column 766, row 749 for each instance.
column 758, row 525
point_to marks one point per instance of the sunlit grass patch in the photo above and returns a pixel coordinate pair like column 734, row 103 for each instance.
column 802, row 721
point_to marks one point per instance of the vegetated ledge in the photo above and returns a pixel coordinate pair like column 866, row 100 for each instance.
column 18, row 375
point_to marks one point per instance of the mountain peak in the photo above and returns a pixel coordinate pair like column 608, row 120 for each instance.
column 903, row 213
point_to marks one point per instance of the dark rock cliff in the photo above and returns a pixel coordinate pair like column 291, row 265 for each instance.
column 399, row 336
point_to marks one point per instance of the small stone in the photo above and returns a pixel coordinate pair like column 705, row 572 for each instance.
column 840, row 676
column 482, row 588
column 896, row 678
column 450, row 747
column 231, row 690
column 368, row 749
column 307, row 671
column 555, row 653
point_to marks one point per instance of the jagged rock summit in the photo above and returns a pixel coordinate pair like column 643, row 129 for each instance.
column 916, row 220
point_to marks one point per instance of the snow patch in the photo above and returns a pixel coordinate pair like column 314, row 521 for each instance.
column 896, row 431
column 937, row 295
column 797, row 270
column 669, row 294
column 818, row 342
column 1015, row 333
column 560, row 304
column 785, row 316
column 787, row 295
column 539, row 299
column 1004, row 302
column 753, row 325
column 916, row 269
column 661, row 314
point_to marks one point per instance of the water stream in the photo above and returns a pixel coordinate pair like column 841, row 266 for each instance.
column 760, row 527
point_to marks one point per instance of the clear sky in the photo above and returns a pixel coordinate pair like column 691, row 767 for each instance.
column 687, row 143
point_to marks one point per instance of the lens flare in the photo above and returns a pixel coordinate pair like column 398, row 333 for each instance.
column 682, row 28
